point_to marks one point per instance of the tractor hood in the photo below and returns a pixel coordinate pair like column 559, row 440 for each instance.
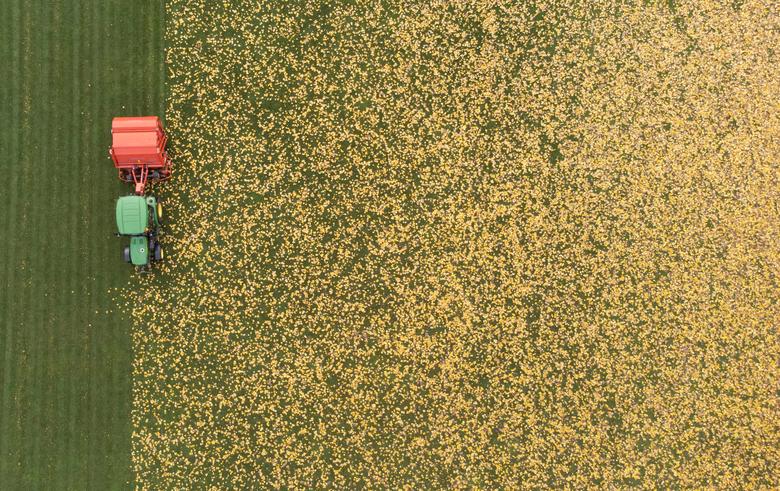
column 132, row 215
column 139, row 251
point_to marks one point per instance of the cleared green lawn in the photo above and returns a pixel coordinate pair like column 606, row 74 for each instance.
column 65, row 356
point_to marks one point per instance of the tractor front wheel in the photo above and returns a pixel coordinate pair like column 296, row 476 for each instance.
column 159, row 212
column 158, row 252
column 126, row 254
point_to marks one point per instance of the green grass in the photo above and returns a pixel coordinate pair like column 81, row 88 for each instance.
column 65, row 356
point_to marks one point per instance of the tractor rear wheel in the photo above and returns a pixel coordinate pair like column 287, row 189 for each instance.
column 158, row 252
column 126, row 254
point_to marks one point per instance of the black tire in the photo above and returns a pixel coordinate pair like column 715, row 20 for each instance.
column 126, row 254
column 158, row 252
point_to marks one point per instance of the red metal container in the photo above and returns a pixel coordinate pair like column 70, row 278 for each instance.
column 138, row 150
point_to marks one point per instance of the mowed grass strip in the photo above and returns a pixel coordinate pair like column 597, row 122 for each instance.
column 65, row 355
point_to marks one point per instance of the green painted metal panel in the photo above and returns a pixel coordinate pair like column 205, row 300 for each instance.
column 139, row 250
column 132, row 216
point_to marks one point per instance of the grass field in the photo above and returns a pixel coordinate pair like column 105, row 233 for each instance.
column 465, row 244
column 409, row 244
column 65, row 354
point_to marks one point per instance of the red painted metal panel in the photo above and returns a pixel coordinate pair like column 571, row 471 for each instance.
column 138, row 145
column 142, row 123
column 138, row 141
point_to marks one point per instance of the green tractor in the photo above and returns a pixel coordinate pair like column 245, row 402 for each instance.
column 139, row 218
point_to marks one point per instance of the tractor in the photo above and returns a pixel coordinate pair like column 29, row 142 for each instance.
column 139, row 154
column 138, row 217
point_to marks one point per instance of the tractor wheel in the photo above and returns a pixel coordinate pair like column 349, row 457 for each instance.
column 126, row 254
column 159, row 212
column 158, row 252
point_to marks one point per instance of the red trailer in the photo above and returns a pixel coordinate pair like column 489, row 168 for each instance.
column 138, row 150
